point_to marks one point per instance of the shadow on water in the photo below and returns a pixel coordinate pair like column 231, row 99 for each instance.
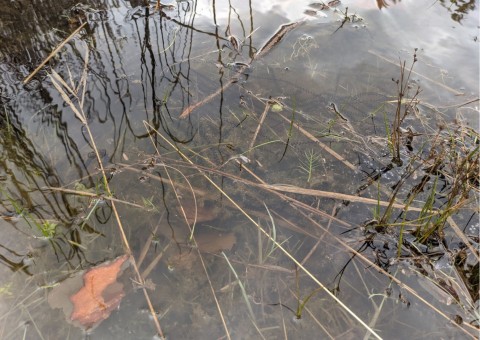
column 303, row 224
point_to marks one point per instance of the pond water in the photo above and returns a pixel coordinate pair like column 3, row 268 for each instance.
column 266, row 131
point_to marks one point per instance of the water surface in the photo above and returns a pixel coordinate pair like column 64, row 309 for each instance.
column 327, row 98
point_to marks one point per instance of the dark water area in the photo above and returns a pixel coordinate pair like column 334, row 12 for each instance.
column 275, row 148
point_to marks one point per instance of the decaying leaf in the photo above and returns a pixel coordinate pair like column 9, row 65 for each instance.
column 90, row 296
column 211, row 241
column 214, row 241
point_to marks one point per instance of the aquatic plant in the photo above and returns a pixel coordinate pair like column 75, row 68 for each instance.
column 404, row 106
column 302, row 303
column 46, row 227
column 271, row 240
column 242, row 288
column 309, row 163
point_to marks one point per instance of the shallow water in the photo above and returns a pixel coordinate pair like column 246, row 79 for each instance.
column 147, row 67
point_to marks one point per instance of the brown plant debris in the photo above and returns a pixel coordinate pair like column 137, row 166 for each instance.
column 87, row 304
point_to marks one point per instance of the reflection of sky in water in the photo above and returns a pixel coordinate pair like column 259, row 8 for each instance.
column 409, row 24
column 448, row 45
column 447, row 54
column 447, row 49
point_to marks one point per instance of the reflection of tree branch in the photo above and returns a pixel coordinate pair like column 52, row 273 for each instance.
column 167, row 58
column 27, row 164
column 274, row 40
column 12, row 265
column 339, row 276
column 15, row 266
column 191, row 27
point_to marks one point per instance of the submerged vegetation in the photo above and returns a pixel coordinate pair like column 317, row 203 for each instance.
column 251, row 193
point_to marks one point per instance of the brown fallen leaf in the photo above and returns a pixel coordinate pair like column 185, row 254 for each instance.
column 96, row 298
column 211, row 241
column 215, row 241
column 205, row 211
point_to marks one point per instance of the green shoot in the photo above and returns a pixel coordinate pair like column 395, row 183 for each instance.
column 301, row 304
column 242, row 287
column 389, row 135
column 46, row 228
column 312, row 161
column 148, row 204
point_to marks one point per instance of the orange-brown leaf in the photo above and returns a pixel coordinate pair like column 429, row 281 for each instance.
column 100, row 294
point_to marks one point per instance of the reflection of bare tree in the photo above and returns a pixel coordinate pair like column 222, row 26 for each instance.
column 20, row 264
column 164, row 72
column 27, row 29
column 27, row 173
column 36, row 144
column 141, row 68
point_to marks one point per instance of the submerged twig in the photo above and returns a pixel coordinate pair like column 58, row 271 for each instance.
column 262, row 119
column 322, row 145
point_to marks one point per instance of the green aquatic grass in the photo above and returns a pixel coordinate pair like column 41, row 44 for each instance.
column 45, row 227
column 242, row 288
column 272, row 243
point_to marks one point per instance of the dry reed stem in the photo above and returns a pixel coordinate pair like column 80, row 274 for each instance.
column 188, row 111
column 53, row 53
column 335, row 195
column 292, row 201
column 198, row 192
column 177, row 196
column 281, row 310
column 147, row 244
column 411, row 290
column 284, row 223
column 214, row 294
column 269, row 267
column 454, row 105
column 278, row 245
column 262, row 119
column 124, row 236
column 154, row 262
column 462, row 236
column 275, row 192
column 319, row 143
column 146, row 124
column 90, row 194
column 314, row 139
column 315, row 246
column 277, row 189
